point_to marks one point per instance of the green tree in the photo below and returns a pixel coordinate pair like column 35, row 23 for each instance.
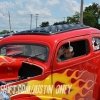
column 4, row 32
column 73, row 19
column 70, row 20
column 44, row 24
column 91, row 15
column 59, row 23
column 89, row 19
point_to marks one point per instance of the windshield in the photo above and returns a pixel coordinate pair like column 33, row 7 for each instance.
column 26, row 50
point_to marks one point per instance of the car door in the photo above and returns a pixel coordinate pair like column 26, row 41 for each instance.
column 95, row 40
column 73, row 78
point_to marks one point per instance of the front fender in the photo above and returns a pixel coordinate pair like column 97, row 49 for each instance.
column 9, row 68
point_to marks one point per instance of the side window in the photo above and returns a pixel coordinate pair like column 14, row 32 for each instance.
column 96, row 44
column 72, row 50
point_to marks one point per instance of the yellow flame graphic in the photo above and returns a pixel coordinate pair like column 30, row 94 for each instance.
column 80, row 90
column 6, row 60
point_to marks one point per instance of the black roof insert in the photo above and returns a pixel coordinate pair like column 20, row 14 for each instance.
column 54, row 29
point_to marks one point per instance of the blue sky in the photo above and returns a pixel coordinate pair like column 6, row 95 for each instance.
column 48, row 10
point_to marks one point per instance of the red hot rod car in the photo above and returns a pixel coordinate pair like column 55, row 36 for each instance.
column 31, row 65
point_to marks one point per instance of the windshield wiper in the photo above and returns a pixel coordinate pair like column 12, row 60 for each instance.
column 32, row 56
column 19, row 53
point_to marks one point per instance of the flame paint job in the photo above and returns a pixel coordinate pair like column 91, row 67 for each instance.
column 6, row 60
column 9, row 68
column 79, row 89
column 83, row 81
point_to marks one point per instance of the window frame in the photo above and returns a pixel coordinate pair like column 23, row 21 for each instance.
column 73, row 40
column 92, row 44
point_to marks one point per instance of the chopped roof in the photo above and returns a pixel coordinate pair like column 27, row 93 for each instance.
column 54, row 29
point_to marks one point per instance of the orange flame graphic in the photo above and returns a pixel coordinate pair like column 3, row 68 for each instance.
column 82, row 87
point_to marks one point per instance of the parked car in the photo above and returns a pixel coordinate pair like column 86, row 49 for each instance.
column 6, row 35
column 30, row 69
column 1, row 38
